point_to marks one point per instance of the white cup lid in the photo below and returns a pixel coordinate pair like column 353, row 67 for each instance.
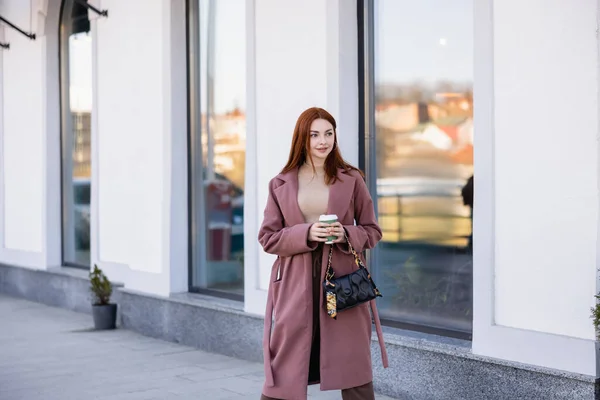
column 328, row 217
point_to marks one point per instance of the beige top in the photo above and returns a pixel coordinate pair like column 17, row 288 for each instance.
column 313, row 194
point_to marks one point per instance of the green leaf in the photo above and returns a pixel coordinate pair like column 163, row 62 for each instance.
column 100, row 287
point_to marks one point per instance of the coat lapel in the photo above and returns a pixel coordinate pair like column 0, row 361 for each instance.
column 340, row 194
column 287, row 196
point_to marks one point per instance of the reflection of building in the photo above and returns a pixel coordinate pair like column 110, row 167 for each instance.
column 81, row 144
column 229, row 136
column 413, row 143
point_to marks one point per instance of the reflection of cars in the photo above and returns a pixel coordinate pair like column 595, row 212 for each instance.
column 236, row 195
column 237, row 228
column 81, row 212
column 234, row 215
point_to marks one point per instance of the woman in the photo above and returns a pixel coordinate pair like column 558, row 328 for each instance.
column 305, row 346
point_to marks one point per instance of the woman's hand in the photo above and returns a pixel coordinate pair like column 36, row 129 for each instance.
column 336, row 229
column 317, row 232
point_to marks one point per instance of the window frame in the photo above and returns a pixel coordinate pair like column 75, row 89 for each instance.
column 367, row 133
column 66, row 135
column 196, row 200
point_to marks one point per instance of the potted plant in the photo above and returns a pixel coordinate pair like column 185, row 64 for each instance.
column 596, row 316
column 104, row 312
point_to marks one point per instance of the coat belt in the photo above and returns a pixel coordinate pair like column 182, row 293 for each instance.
column 384, row 356
column 269, row 381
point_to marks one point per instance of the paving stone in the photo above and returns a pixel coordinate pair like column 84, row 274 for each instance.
column 49, row 353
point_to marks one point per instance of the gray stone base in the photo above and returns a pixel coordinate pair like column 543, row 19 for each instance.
column 194, row 320
column 422, row 367
column 422, row 372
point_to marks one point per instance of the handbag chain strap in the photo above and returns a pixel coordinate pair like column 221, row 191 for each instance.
column 329, row 274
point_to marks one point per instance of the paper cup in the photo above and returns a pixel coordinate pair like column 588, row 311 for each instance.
column 329, row 219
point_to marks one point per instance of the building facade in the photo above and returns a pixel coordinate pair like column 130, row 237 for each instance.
column 142, row 140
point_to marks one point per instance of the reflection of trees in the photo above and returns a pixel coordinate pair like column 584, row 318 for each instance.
column 81, row 123
column 229, row 145
column 236, row 175
column 417, row 91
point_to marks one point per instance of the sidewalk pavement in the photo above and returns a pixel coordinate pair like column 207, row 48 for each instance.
column 48, row 353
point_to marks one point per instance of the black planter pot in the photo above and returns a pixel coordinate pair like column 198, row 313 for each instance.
column 105, row 316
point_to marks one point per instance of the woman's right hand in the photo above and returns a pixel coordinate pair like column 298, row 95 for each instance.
column 317, row 232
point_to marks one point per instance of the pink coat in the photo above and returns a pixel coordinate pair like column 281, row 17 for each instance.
column 345, row 343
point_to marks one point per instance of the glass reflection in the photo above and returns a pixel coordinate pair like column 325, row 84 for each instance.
column 76, row 58
column 424, row 157
column 223, row 137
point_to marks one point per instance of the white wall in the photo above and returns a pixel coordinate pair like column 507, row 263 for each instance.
column 29, row 139
column 130, row 128
column 536, row 213
column 304, row 56
column 546, row 115
column 22, row 136
column 140, row 181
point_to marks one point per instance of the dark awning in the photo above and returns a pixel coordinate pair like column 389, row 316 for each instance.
column 79, row 15
column 79, row 18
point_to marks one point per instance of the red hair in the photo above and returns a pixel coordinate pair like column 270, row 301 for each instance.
column 300, row 150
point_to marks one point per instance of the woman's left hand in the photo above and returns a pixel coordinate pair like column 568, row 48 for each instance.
column 336, row 229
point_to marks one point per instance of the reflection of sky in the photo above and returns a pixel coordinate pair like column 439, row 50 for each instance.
column 80, row 71
column 230, row 62
column 230, row 54
column 427, row 40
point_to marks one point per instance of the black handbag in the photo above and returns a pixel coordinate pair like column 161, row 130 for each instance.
column 348, row 291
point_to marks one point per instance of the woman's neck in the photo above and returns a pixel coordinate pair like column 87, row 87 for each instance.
column 318, row 167
column 312, row 170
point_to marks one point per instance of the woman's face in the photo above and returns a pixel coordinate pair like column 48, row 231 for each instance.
column 322, row 139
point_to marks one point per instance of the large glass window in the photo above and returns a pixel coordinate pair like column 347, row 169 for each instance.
column 217, row 44
column 418, row 83
column 76, row 108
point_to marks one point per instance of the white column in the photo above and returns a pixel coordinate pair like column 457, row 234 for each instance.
column 536, row 175
column 29, row 138
column 141, row 145
column 301, row 54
